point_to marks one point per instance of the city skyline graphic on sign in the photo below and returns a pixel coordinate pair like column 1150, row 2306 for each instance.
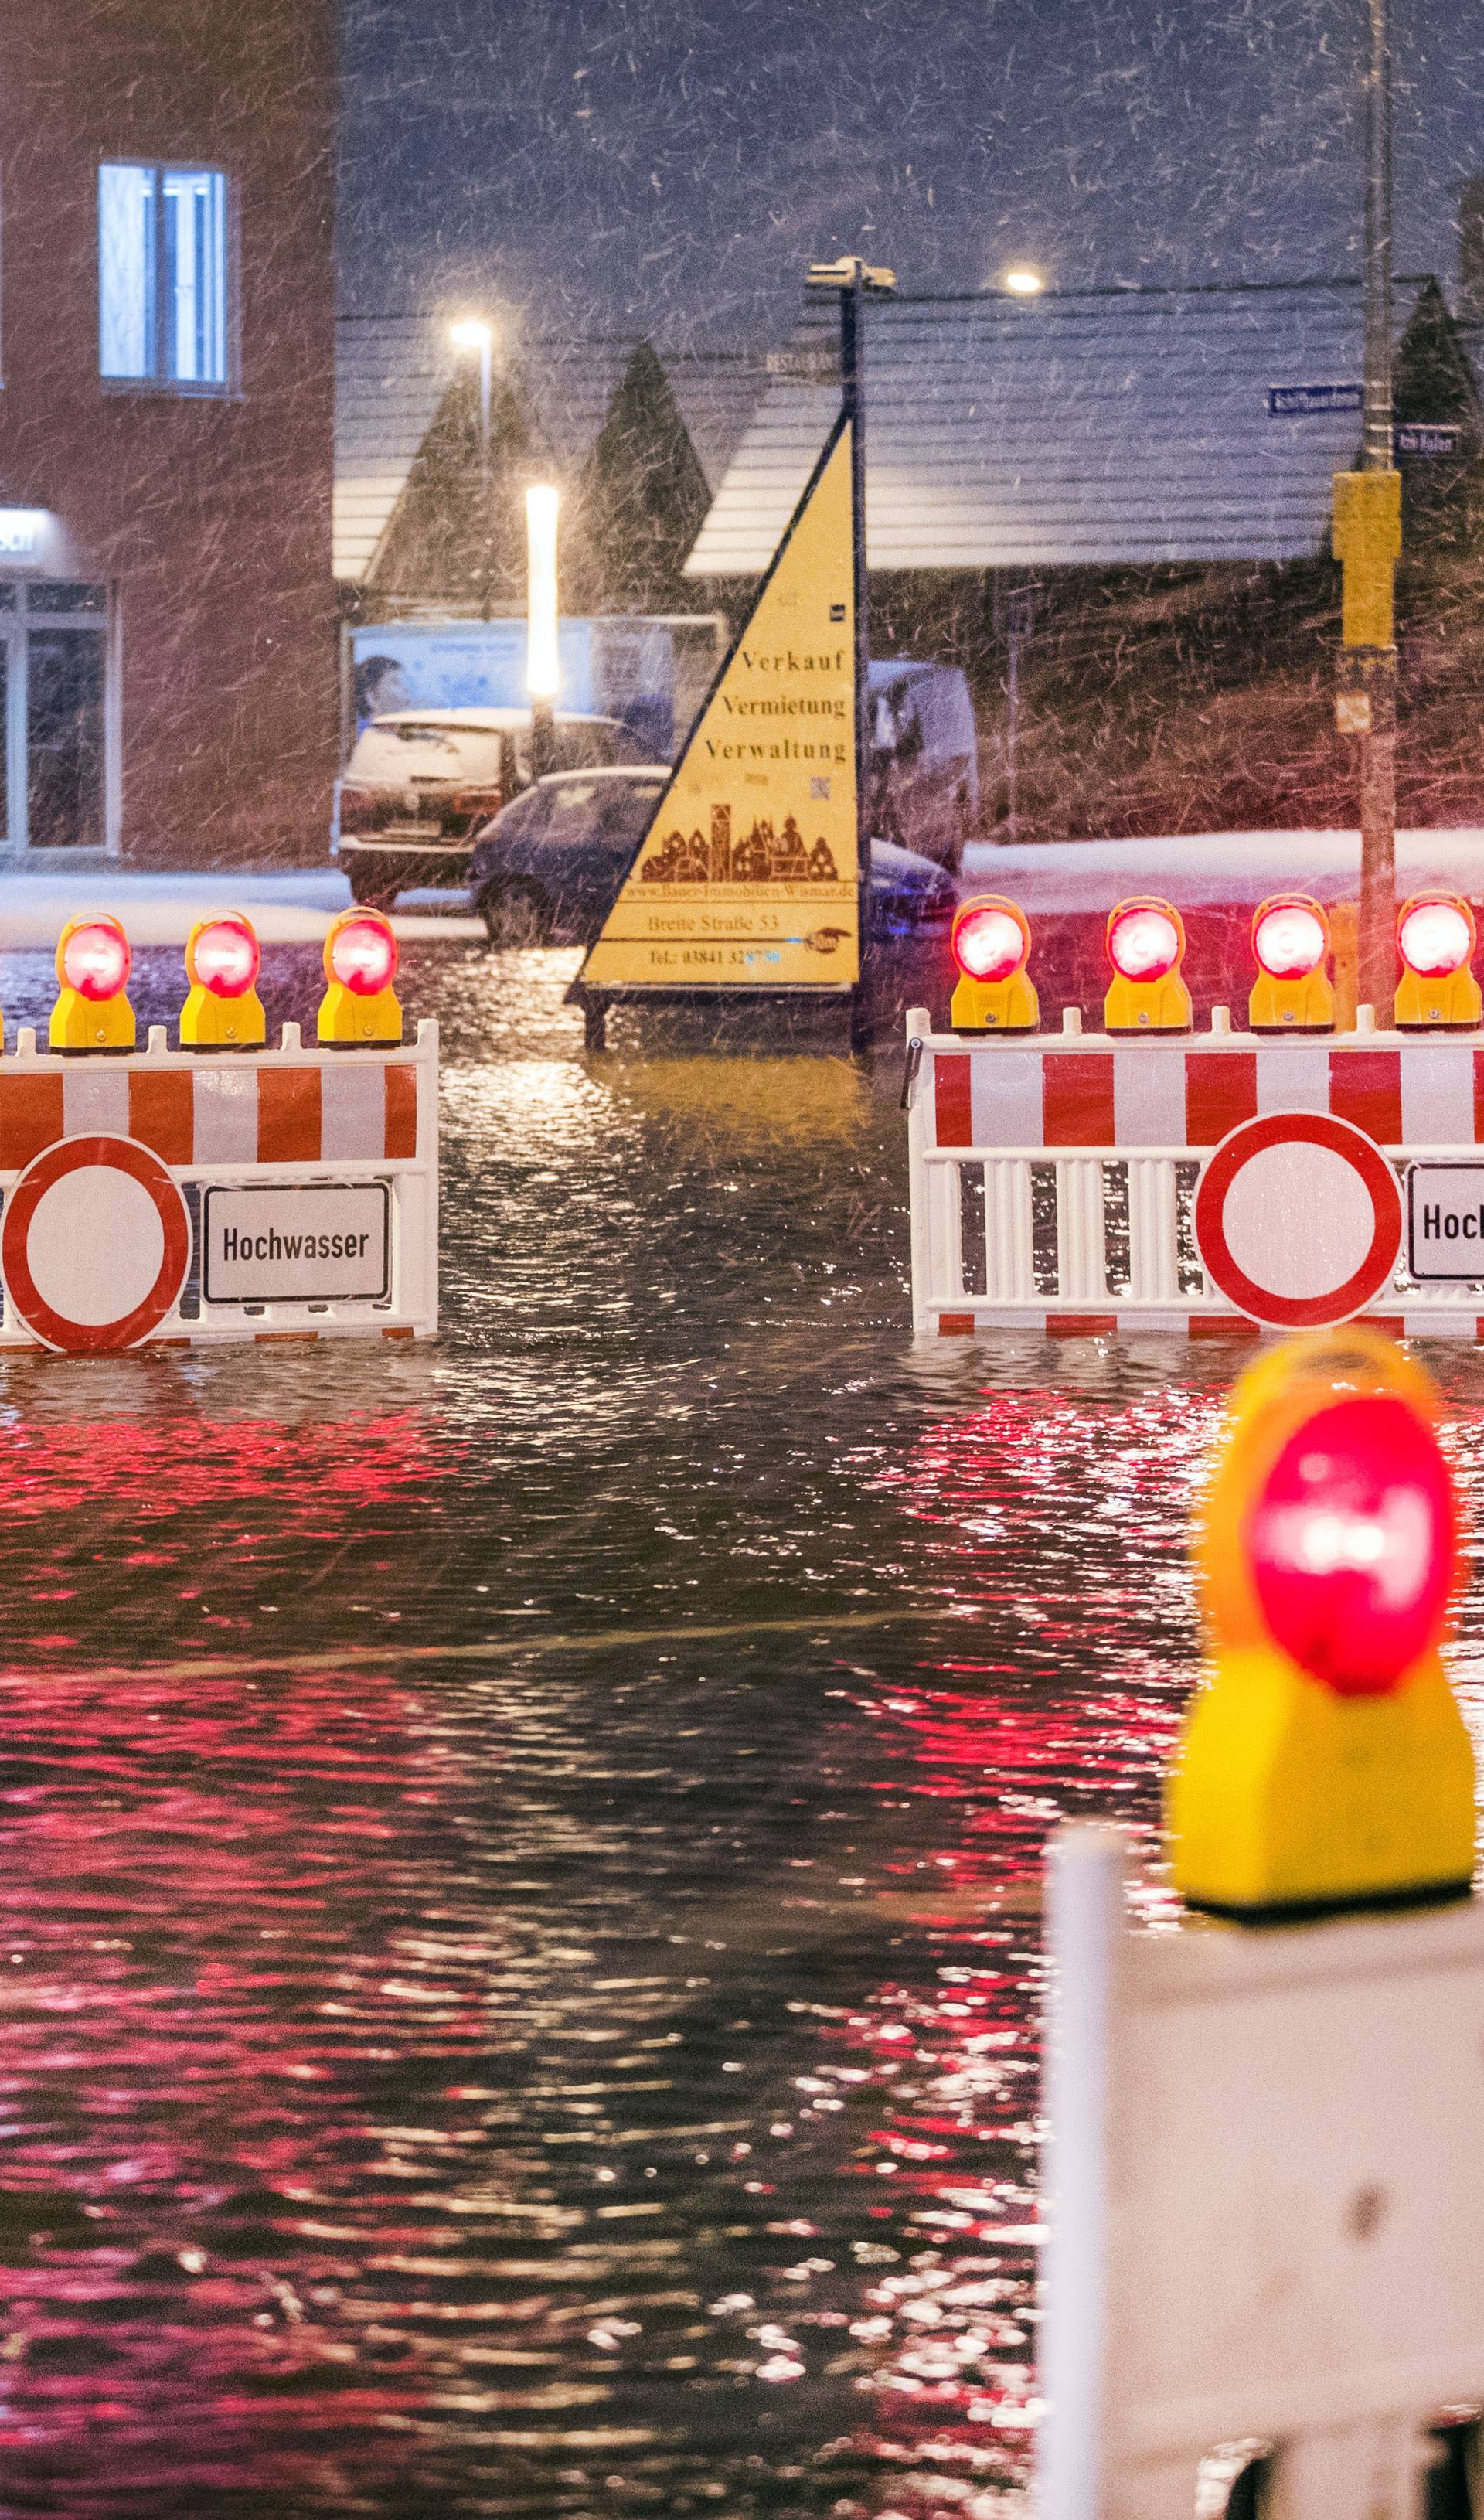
column 765, row 856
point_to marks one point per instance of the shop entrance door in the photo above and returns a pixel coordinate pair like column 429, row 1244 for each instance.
column 54, row 793
column 64, row 740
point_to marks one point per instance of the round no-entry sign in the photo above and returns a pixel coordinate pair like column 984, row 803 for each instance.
column 1298, row 1219
column 95, row 1243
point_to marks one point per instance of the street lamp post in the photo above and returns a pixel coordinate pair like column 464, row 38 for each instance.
column 855, row 280
column 472, row 333
column 1377, row 722
column 543, row 648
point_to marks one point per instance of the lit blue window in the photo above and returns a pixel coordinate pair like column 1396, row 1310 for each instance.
column 162, row 275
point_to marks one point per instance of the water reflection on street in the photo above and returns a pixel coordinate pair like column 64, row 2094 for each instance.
column 519, row 1912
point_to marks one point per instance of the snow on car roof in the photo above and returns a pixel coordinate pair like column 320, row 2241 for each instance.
column 491, row 719
column 608, row 770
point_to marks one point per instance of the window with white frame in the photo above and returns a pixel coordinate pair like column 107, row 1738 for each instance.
column 162, row 279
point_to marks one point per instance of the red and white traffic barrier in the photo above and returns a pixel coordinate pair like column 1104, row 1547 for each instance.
column 1054, row 1181
column 176, row 1197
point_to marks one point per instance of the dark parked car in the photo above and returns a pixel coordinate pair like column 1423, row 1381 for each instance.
column 547, row 870
column 924, row 759
column 420, row 783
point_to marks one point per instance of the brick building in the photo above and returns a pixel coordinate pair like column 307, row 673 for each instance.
column 167, row 649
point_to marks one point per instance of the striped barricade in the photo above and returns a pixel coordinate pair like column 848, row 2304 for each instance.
column 285, row 1120
column 1054, row 1180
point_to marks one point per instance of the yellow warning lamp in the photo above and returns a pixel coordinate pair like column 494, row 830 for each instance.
column 93, row 963
column 1437, row 991
column 990, row 944
column 1146, row 945
column 359, row 1009
column 223, row 1011
column 1290, row 940
column 1325, row 1765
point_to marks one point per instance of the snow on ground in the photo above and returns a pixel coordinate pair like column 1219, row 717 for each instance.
column 292, row 908
column 1194, row 869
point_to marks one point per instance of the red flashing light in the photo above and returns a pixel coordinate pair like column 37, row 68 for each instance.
column 225, row 957
column 362, row 954
column 96, row 960
column 988, row 943
column 1289, row 938
column 1436, row 938
column 1145, row 940
column 1351, row 1542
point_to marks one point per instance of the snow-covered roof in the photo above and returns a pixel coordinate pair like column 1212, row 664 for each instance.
column 392, row 372
column 1098, row 428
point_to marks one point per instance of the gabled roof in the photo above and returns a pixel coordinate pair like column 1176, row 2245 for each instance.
column 392, row 373
column 1098, row 428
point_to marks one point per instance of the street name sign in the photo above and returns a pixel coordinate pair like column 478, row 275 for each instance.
column 1296, row 402
column 325, row 1243
column 1426, row 438
column 1445, row 1221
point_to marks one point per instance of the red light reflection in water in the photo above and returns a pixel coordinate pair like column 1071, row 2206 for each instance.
column 1064, row 1526
column 123, row 1498
column 187, row 2166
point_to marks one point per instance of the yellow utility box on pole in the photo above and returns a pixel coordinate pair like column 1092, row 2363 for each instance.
column 1368, row 544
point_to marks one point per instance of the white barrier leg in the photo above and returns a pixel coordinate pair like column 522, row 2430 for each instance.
column 1085, row 1916
column 1010, row 1249
column 1363, row 2472
column 1082, row 1270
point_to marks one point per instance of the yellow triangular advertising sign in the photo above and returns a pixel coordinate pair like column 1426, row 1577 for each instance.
column 747, row 877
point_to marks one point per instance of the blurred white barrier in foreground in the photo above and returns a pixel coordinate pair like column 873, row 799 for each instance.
column 1266, row 2200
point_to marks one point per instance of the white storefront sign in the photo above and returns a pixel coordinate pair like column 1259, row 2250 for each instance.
column 1445, row 1221
column 319, row 1243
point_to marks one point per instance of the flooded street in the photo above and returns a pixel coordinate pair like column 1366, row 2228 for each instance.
column 519, row 1910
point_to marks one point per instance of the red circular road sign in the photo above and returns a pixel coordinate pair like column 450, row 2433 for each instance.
column 95, row 1244
column 1298, row 1219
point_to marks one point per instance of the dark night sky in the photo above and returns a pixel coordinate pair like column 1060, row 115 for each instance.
column 670, row 165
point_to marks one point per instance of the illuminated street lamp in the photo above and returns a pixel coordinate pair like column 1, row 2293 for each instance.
column 472, row 334
column 543, row 664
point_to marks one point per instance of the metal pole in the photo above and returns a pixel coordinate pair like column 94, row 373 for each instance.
column 853, row 404
column 1378, row 765
column 488, row 561
column 1013, row 731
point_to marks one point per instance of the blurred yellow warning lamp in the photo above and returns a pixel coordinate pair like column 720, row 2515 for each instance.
column 1145, row 946
column 1290, row 940
column 1437, row 991
column 93, row 964
column 223, row 1010
column 990, row 944
column 1325, row 1765
column 359, row 1009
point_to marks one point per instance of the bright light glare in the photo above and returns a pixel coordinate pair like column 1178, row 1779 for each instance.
column 470, row 334
column 225, row 958
column 1289, row 942
column 543, row 671
column 363, row 956
column 1435, row 940
column 1145, row 944
column 988, row 944
column 1351, row 1544
column 1025, row 283
column 95, row 960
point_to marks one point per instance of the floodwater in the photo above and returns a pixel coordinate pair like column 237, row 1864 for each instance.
column 520, row 1890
